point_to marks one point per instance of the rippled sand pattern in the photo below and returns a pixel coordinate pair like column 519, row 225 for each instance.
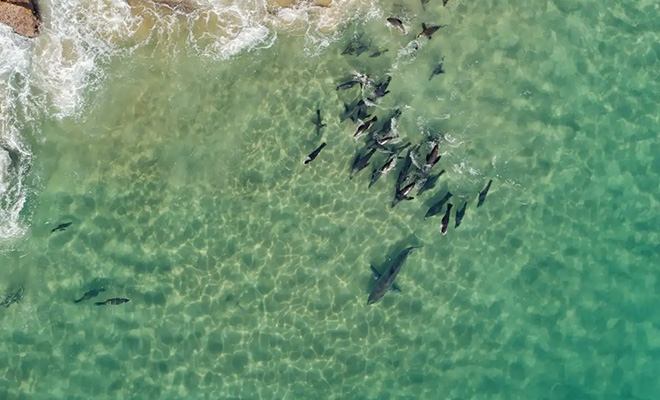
column 248, row 272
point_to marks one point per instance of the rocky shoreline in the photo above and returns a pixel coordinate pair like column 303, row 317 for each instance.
column 22, row 15
column 289, row 3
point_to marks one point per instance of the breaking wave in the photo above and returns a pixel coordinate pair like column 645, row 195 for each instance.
column 53, row 73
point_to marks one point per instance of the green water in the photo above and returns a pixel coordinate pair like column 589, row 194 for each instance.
column 248, row 272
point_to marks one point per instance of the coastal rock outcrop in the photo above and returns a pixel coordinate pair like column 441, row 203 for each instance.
column 22, row 15
column 181, row 5
column 289, row 3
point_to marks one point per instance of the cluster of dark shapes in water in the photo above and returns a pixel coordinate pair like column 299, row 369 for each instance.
column 95, row 292
column 417, row 174
column 15, row 296
column 414, row 175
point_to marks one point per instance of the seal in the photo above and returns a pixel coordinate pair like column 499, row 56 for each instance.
column 483, row 193
column 459, row 215
column 428, row 31
column 445, row 219
column 360, row 162
column 318, row 122
column 313, row 154
column 61, row 227
column 364, row 127
column 395, row 22
column 438, row 69
column 114, row 301
column 437, row 207
column 90, row 294
column 429, row 182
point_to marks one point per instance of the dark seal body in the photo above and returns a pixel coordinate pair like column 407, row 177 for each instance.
column 430, row 182
column 483, row 193
column 395, row 22
column 90, row 294
column 114, row 301
column 459, row 215
column 61, row 227
column 347, row 85
column 360, row 162
column 445, row 219
column 437, row 207
column 364, row 127
column 428, row 31
column 318, row 122
column 389, row 164
column 439, row 69
column 314, row 153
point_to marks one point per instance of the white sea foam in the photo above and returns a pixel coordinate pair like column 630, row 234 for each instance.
column 54, row 73
column 15, row 157
column 79, row 36
column 407, row 54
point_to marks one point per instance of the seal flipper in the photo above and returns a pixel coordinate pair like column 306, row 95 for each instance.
column 375, row 273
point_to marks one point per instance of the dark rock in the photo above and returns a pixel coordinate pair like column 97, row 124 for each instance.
column 22, row 15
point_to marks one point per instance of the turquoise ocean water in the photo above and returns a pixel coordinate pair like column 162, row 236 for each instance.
column 173, row 141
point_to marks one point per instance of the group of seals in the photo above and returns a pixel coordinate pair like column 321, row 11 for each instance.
column 377, row 140
column 413, row 175
column 95, row 292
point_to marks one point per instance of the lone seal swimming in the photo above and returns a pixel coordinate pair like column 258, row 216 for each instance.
column 445, row 219
column 428, row 31
column 314, row 153
column 114, row 301
column 483, row 193
column 318, row 122
column 437, row 207
column 61, row 227
column 397, row 23
column 90, row 294
column 459, row 215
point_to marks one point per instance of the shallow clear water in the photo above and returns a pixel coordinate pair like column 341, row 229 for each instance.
column 248, row 272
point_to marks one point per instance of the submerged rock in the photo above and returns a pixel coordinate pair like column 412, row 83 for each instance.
column 13, row 296
column 22, row 15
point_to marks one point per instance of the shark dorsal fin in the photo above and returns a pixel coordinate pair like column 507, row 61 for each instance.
column 375, row 272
